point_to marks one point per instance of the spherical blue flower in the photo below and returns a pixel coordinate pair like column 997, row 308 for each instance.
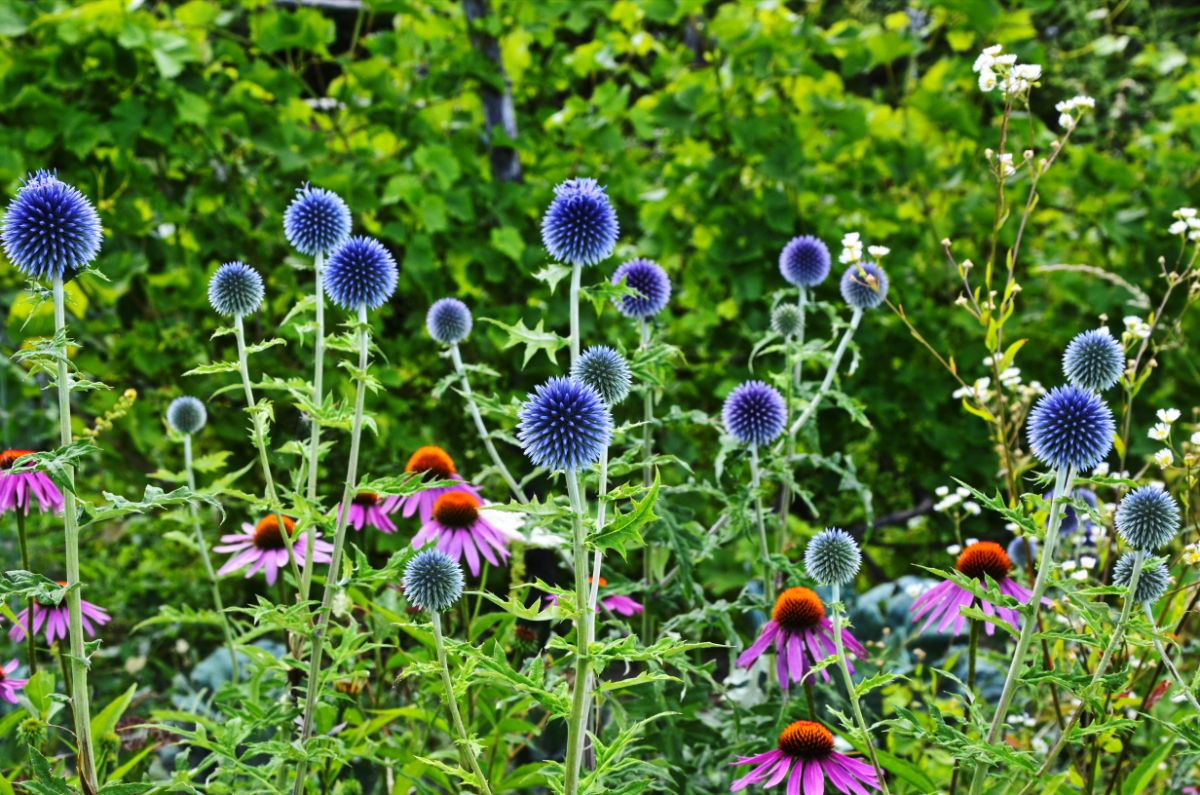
column 1152, row 583
column 448, row 321
column 186, row 415
column 235, row 289
column 1094, row 360
column 433, row 580
column 832, row 557
column 580, row 226
column 650, row 280
column 1070, row 522
column 564, row 425
column 1070, row 427
column 785, row 320
column 361, row 273
column 1017, row 553
column 1147, row 518
column 50, row 228
column 804, row 261
column 604, row 370
column 317, row 221
column 864, row 285
column 754, row 413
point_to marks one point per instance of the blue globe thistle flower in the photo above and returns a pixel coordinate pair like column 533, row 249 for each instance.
column 361, row 273
column 580, row 226
column 1094, row 360
column 604, row 370
column 785, row 320
column 448, row 320
column 186, row 415
column 1153, row 582
column 564, row 425
column 832, row 557
column 433, row 580
column 317, row 221
column 649, row 279
column 1071, row 523
column 50, row 228
column 1016, row 551
column 1070, row 427
column 235, row 290
column 805, row 261
column 1147, row 518
column 754, row 413
column 864, row 285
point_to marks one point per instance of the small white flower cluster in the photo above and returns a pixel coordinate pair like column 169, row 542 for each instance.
column 1023, row 719
column 1186, row 223
column 1070, row 110
column 952, row 499
column 1078, row 570
column 1191, row 553
column 978, row 391
column 1164, row 457
column 852, row 250
column 1136, row 327
column 1162, row 429
column 1000, row 70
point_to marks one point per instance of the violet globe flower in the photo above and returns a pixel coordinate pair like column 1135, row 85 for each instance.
column 864, row 285
column 433, row 464
column 461, row 531
column 448, row 321
column 1070, row 427
column 754, row 413
column 55, row 618
column 262, row 547
column 369, row 508
column 652, row 284
column 564, row 425
column 317, row 221
column 805, row 261
column 361, row 272
column 802, row 636
column 50, row 228
column 18, row 490
column 9, row 684
column 580, row 225
column 942, row 601
column 805, row 757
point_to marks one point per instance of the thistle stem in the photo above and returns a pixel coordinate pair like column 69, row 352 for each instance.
column 764, row 549
column 647, row 470
column 838, row 354
column 339, row 542
column 576, row 275
column 79, row 664
column 463, row 742
column 594, row 591
column 584, row 623
column 844, row 667
column 802, row 305
column 484, row 436
column 796, row 350
column 1168, row 663
column 202, row 545
column 30, row 641
column 314, row 439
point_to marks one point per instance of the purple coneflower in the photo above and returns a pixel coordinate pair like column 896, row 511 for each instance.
column 262, row 547
column 435, row 464
column 369, row 508
column 8, row 685
column 806, row 752
column 461, row 532
column 802, row 636
column 56, row 618
column 983, row 558
column 18, row 488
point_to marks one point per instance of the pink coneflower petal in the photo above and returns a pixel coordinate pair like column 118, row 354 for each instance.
column 779, row 772
column 765, row 638
column 769, row 760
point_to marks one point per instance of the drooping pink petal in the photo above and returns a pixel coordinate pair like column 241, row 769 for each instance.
column 747, row 658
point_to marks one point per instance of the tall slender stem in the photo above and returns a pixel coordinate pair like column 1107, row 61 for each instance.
column 594, row 591
column 204, row 558
column 30, row 641
column 80, row 706
column 576, row 275
column 844, row 667
column 840, row 352
column 584, row 623
column 1167, row 662
column 339, row 543
column 484, row 436
column 802, row 305
column 793, row 385
column 764, row 548
column 972, row 656
column 314, row 439
column 647, row 471
column 463, row 742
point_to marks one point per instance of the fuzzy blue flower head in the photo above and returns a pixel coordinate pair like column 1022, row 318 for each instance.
column 754, row 413
column 1147, row 518
column 1094, row 360
column 580, row 226
column 448, row 321
column 864, row 285
column 235, row 290
column 832, row 557
column 604, row 370
column 1070, row 427
column 1016, row 551
column 1152, row 583
column 317, row 221
column 652, row 284
column 805, row 261
column 433, row 580
column 50, row 228
column 361, row 273
column 564, row 425
column 186, row 415
column 785, row 320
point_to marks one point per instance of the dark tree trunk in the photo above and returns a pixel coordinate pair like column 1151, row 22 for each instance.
column 498, row 109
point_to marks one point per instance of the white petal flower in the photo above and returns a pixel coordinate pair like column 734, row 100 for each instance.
column 1066, row 121
column 1164, row 457
column 1101, row 469
column 987, row 81
column 1160, row 432
column 1177, row 228
column 878, row 251
column 942, row 491
column 1169, row 416
column 1195, row 439
column 972, row 508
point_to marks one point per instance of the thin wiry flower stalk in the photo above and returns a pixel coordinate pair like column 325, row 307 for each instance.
column 314, row 439
column 840, row 352
column 576, row 275
column 23, row 541
column 764, row 549
column 584, row 623
column 852, row 694
column 647, row 464
column 462, row 741
column 594, row 593
column 484, row 436
column 1166, row 658
column 797, row 368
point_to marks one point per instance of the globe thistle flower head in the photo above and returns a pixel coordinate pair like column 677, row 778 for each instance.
column 1152, row 583
column 317, row 221
column 235, row 290
column 1070, row 427
column 832, row 557
column 361, row 272
column 1147, row 518
column 448, row 321
column 186, row 415
column 652, row 284
column 580, row 225
column 804, row 261
column 564, row 425
column 433, row 580
column 785, row 320
column 1094, row 360
column 864, row 285
column 604, row 370
column 754, row 413
column 50, row 228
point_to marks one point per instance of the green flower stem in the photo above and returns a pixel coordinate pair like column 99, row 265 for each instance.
column 647, row 471
column 838, row 354
column 594, row 591
column 1167, row 663
column 584, row 623
column 204, row 558
column 972, row 656
column 576, row 275
column 793, row 384
column 30, row 641
column 764, row 549
column 484, row 436
column 462, row 741
column 844, row 667
column 1062, row 482
column 314, row 439
column 339, row 542
column 80, row 706
column 802, row 305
